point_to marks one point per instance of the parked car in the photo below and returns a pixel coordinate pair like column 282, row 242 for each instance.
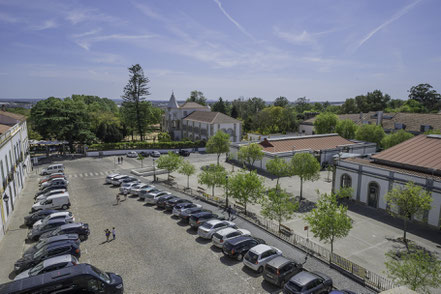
column 239, row 246
column 258, row 256
column 109, row 178
column 342, row 292
column 53, row 202
column 207, row 229
column 50, row 225
column 134, row 190
column 187, row 213
column 184, row 153
column 53, row 182
column 280, row 269
column 51, row 188
column 226, row 234
column 152, row 197
column 67, row 215
column 48, row 265
column 183, row 206
column 163, row 199
column 125, row 188
column 155, row 154
column 144, row 153
column 54, row 239
column 127, row 180
column 53, row 168
column 308, row 283
column 142, row 194
column 115, row 180
column 50, row 193
column 169, row 204
column 83, row 278
column 199, row 218
column 29, row 220
column 48, row 251
column 81, row 229
column 132, row 154
column 52, row 176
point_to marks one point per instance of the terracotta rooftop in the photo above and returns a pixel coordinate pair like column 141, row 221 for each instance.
column 316, row 143
column 4, row 128
column 422, row 153
column 193, row 105
column 210, row 117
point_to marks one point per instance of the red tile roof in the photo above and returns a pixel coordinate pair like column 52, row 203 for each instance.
column 316, row 143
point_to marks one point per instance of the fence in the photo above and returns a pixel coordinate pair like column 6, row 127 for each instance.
column 347, row 267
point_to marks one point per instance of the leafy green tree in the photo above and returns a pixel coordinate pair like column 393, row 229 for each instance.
column 395, row 138
column 362, row 103
column 346, row 128
column 407, row 202
column 412, row 106
column 370, row 133
column 302, row 104
column 213, row 176
column 141, row 158
column 377, row 100
column 219, row 143
column 134, row 97
column 170, row 162
column 109, row 133
column 281, row 101
column 249, row 154
column 306, row 167
column 349, row 106
column 220, row 106
column 325, row 123
column 187, row 169
column 198, row 97
column 277, row 205
column 246, row 187
column 329, row 220
column 427, row 96
column 164, row 137
column 417, row 269
column 278, row 167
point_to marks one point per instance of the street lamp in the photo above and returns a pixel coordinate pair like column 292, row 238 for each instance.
column 6, row 199
column 154, row 171
column 226, row 191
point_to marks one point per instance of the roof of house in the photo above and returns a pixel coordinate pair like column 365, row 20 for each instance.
column 412, row 121
column 315, row 142
column 4, row 128
column 13, row 115
column 211, row 117
column 193, row 105
column 420, row 153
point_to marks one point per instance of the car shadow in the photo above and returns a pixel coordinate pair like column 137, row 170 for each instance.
column 28, row 241
column 159, row 208
column 23, row 226
column 148, row 204
column 250, row 272
column 182, row 223
column 12, row 275
column 215, row 249
column 228, row 261
column 133, row 196
column 167, row 211
column 174, row 216
column 270, row 288
column 141, row 200
column 202, row 241
column 191, row 231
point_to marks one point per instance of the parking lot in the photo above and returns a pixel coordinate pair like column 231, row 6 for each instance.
column 153, row 252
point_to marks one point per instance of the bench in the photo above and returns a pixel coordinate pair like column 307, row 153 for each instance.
column 171, row 177
column 285, row 230
column 201, row 190
column 238, row 206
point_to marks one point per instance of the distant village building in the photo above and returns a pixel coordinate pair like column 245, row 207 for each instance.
column 197, row 122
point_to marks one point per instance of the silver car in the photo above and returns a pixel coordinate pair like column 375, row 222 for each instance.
column 116, row 180
column 223, row 235
column 134, row 190
column 48, row 265
column 153, row 197
column 178, row 208
column 125, row 188
column 144, row 192
column 109, row 178
column 207, row 229
column 257, row 257
column 62, row 214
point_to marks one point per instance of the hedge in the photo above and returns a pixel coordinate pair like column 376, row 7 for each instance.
column 145, row 145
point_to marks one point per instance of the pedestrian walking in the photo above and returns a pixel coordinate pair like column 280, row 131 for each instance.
column 113, row 233
column 117, row 199
column 107, row 234
column 122, row 159
column 118, row 159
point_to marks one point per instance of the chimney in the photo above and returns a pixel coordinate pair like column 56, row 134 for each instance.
column 379, row 118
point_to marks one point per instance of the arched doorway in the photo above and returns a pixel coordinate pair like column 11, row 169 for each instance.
column 373, row 193
column 346, row 181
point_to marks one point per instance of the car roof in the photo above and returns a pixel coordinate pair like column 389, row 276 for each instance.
column 59, row 214
column 57, row 196
column 65, row 243
column 279, row 261
column 71, row 225
column 239, row 239
column 261, row 248
column 56, row 220
column 120, row 177
column 303, row 278
column 214, row 221
column 61, row 238
column 226, row 231
column 202, row 213
column 57, row 260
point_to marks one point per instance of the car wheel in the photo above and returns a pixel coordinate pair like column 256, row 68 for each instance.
column 82, row 238
column 60, row 171
column 239, row 257
column 260, row 270
column 64, row 207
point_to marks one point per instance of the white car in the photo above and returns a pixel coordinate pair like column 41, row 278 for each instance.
column 223, row 235
column 116, row 180
column 207, row 229
column 144, row 192
column 125, row 188
column 258, row 256
column 132, row 154
column 109, row 178
column 48, row 265
column 153, row 197
column 134, row 190
column 62, row 214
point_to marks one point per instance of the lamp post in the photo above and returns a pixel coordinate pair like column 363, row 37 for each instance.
column 6, row 199
column 226, row 191
column 154, row 171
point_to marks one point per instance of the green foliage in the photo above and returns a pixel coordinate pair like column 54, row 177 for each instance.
column 109, row 133
column 213, row 176
column 302, row 104
column 395, row 138
column 281, row 101
column 221, row 106
column 329, row 220
column 277, row 205
column 278, row 167
column 198, row 97
column 370, row 133
column 407, row 202
column 344, row 193
column 346, row 128
column 19, row 110
column 427, row 96
column 245, row 110
column 275, row 119
column 145, row 145
column 416, row 269
column 306, row 167
column 349, row 106
column 171, row 162
column 246, row 187
column 325, row 123
column 249, row 154
column 219, row 143
column 372, row 101
column 164, row 137
column 187, row 169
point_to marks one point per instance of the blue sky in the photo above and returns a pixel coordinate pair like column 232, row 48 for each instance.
column 321, row 49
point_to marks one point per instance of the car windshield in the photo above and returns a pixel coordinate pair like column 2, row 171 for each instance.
column 40, row 244
column 294, row 286
column 207, row 226
column 39, row 253
column 271, row 269
column 252, row 256
column 36, row 269
column 56, row 231
column 217, row 236
column 101, row 274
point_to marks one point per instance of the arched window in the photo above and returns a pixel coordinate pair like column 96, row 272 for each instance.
column 346, row 181
column 373, row 193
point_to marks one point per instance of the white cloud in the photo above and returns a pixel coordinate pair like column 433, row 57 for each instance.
column 80, row 15
column 4, row 17
column 148, row 11
column 293, row 38
column 88, row 33
column 87, row 43
column 230, row 18
column 48, row 24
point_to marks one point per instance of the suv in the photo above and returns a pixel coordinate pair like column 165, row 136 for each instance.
column 81, row 229
column 187, row 213
column 169, row 204
column 239, row 246
column 48, row 265
column 199, row 218
column 280, row 269
column 163, row 199
column 152, row 197
column 54, row 239
column 50, row 225
column 184, row 153
column 308, row 283
column 178, row 208
column 258, row 256
column 51, row 169
column 29, row 220
column 226, row 234
column 56, row 215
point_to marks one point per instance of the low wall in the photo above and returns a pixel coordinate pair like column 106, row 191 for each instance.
column 124, row 152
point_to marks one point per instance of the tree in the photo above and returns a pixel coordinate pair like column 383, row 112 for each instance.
column 325, row 123
column 417, row 269
column 187, row 169
column 329, row 220
column 219, row 143
column 213, row 176
column 134, row 94
column 279, row 168
column 426, row 95
column 198, row 97
column 346, row 128
column 281, row 101
column 407, row 202
column 219, row 106
column 171, row 162
column 306, row 167
column 302, row 104
column 164, row 137
column 377, row 100
column 141, row 158
column 370, row 133
column 349, row 106
column 245, row 187
column 249, row 154
column 277, row 205
column 395, row 138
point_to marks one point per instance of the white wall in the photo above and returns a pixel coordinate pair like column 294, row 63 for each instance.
column 306, row 129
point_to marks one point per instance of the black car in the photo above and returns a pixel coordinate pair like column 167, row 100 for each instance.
column 187, row 213
column 197, row 219
column 81, row 229
column 184, row 153
column 144, row 153
column 163, row 199
column 51, row 225
column 308, row 283
column 280, row 269
column 239, row 246
column 29, row 220
column 82, row 278
column 50, row 188
column 50, row 240
column 169, row 204
column 50, row 250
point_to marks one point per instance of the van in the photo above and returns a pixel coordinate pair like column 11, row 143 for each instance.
column 44, row 196
column 82, row 278
column 53, row 202
column 53, row 168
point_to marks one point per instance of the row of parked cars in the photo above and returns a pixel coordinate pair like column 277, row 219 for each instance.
column 52, row 263
column 234, row 242
column 155, row 154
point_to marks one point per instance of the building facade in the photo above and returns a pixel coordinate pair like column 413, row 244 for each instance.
column 14, row 163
